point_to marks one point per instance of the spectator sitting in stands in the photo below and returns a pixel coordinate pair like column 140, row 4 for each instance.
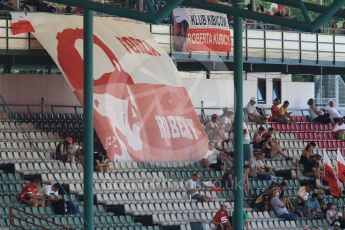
column 262, row 202
column 284, row 114
column 213, row 158
column 253, row 114
column 286, row 200
column 63, row 153
column 272, row 149
column 193, row 188
column 313, row 208
column 303, row 195
column 332, row 215
column 339, row 130
column 310, row 162
column 221, row 218
column 214, row 131
column 269, row 133
column 50, row 193
column 275, row 111
column 30, row 194
column 334, row 114
column 280, row 209
column 259, row 168
column 101, row 162
column 316, row 115
column 257, row 139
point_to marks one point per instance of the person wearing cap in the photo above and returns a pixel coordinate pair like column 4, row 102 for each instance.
column 221, row 218
column 63, row 151
column 333, row 112
column 180, row 26
column 253, row 114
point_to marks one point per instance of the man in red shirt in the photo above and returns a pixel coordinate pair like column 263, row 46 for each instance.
column 221, row 218
column 29, row 194
column 276, row 112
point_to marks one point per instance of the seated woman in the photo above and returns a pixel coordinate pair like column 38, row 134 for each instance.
column 272, row 148
column 257, row 139
column 316, row 115
column 101, row 162
column 310, row 162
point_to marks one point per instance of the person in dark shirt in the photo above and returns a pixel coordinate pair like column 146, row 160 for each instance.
column 310, row 162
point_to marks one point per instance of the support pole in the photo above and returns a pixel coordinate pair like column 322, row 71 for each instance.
column 327, row 14
column 88, row 120
column 238, row 140
column 304, row 11
column 149, row 6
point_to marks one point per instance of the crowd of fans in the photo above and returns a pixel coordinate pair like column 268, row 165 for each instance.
column 309, row 202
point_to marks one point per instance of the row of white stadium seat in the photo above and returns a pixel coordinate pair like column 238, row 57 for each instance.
column 56, row 166
column 105, row 177
column 149, row 197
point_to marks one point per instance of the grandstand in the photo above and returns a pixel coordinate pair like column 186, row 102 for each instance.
column 151, row 159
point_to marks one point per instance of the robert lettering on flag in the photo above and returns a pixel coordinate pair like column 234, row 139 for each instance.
column 141, row 111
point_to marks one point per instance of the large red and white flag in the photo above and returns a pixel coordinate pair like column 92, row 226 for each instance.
column 141, row 111
column 330, row 176
column 340, row 166
column 20, row 23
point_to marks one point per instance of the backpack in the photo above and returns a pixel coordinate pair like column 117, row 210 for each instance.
column 58, row 207
column 71, row 208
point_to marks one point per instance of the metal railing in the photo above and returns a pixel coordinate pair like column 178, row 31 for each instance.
column 259, row 43
column 28, row 221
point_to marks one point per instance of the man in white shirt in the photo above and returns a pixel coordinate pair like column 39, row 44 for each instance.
column 253, row 114
column 212, row 158
column 50, row 193
column 334, row 114
column 193, row 188
column 247, row 150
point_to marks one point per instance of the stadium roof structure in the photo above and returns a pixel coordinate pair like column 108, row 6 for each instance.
column 151, row 16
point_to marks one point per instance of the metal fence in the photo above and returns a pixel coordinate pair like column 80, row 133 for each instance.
column 262, row 43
